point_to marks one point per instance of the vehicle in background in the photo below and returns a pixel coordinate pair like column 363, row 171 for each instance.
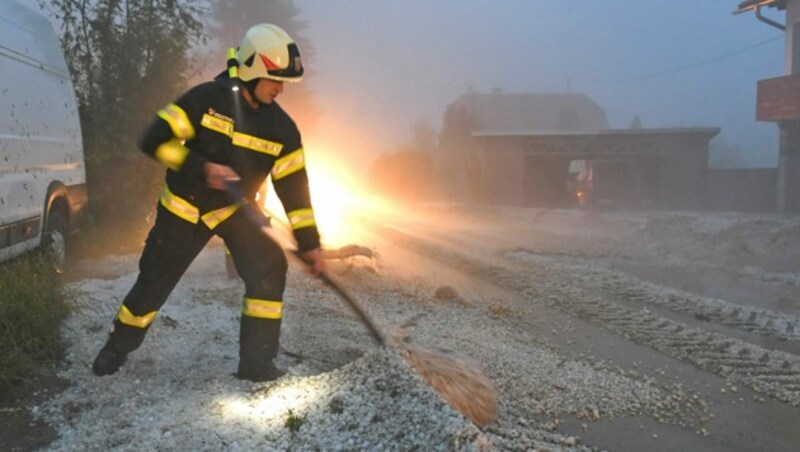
column 579, row 181
column 607, row 184
column 42, row 174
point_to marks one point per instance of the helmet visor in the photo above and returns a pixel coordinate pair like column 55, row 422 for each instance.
column 293, row 70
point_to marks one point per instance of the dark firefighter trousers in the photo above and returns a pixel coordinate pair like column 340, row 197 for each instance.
column 172, row 245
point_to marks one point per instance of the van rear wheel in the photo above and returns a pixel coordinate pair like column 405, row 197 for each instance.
column 55, row 240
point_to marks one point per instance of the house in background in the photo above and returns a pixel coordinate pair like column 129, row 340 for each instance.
column 459, row 160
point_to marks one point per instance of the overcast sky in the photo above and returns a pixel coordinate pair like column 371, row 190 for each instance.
column 380, row 65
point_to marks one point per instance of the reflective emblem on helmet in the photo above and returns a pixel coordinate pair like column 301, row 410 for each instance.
column 268, row 63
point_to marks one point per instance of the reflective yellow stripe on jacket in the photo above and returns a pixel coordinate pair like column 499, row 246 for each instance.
column 179, row 206
column 178, row 121
column 220, row 125
column 215, row 217
column 256, row 144
column 189, row 212
column 289, row 164
column 263, row 309
column 139, row 321
column 301, row 218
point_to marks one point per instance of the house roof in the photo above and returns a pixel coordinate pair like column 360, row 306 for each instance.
column 500, row 112
column 747, row 5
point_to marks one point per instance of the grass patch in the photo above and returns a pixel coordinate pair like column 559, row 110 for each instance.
column 294, row 422
column 33, row 303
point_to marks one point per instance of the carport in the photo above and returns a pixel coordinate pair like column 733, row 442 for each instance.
column 530, row 168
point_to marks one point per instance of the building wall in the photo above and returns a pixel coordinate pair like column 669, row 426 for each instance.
column 502, row 175
column 682, row 176
column 672, row 174
column 741, row 190
column 545, row 181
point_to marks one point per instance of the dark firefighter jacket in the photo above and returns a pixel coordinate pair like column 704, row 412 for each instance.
column 213, row 123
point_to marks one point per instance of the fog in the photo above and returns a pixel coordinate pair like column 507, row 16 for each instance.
column 381, row 65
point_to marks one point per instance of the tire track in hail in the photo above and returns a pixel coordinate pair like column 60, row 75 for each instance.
column 754, row 320
column 620, row 284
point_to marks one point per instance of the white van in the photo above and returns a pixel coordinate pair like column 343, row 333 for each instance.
column 42, row 176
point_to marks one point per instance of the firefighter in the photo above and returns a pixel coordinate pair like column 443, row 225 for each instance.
column 228, row 129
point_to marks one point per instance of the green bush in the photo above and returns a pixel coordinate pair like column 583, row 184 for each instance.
column 33, row 303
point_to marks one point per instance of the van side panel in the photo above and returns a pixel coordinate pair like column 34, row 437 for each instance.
column 40, row 136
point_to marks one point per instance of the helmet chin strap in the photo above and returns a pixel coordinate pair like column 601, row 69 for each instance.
column 250, row 86
column 249, row 92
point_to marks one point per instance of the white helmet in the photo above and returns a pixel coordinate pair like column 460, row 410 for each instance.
column 267, row 51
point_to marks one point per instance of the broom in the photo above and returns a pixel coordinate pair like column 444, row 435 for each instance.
column 459, row 380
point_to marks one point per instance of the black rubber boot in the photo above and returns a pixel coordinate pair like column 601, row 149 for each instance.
column 109, row 360
column 259, row 340
column 122, row 340
column 268, row 372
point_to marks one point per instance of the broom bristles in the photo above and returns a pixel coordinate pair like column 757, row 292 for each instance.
column 459, row 380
